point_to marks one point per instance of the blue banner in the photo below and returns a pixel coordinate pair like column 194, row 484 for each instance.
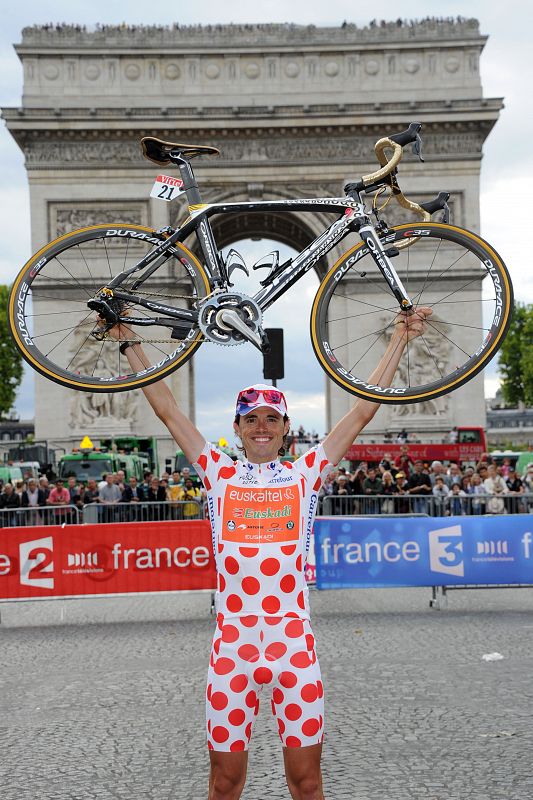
column 356, row 552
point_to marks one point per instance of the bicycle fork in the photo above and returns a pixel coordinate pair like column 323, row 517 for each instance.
column 383, row 262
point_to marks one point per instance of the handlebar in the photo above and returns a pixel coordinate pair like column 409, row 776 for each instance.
column 386, row 176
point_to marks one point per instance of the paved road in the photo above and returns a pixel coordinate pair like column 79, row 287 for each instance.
column 114, row 709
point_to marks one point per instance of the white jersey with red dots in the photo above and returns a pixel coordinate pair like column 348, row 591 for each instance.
column 261, row 519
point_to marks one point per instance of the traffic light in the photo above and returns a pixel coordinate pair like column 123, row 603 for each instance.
column 273, row 361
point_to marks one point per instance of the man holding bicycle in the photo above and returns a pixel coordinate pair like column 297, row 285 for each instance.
column 261, row 514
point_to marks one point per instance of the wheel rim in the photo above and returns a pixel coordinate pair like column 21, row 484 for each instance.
column 444, row 269
column 52, row 325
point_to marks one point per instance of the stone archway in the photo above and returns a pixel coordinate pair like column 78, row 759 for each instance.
column 294, row 109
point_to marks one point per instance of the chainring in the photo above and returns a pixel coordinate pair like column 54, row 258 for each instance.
column 214, row 331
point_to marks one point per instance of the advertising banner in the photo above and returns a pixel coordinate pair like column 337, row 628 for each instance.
column 423, row 551
column 98, row 560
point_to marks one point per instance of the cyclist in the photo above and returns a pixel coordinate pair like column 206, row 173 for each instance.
column 261, row 513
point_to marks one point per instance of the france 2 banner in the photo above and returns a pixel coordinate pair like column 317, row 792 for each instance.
column 89, row 560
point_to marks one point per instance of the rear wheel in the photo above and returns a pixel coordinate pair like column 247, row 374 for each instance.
column 53, row 326
column 453, row 271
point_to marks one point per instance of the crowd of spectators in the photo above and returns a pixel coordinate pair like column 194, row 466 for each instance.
column 402, row 485
column 114, row 498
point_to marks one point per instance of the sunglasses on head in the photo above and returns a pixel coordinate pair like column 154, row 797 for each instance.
column 250, row 396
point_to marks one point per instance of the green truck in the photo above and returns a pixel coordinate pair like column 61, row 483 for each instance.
column 132, row 454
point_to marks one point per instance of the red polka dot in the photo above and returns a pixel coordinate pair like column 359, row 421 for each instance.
column 237, row 716
column 202, row 461
column 281, row 726
column 248, row 652
column 256, row 709
column 270, row 604
column 287, row 584
column 293, row 711
column 215, row 455
column 209, row 726
column 273, row 620
column 210, row 746
column 310, row 641
column 292, row 614
column 224, row 665
column 230, row 633
column 300, row 600
column 275, row 651
column 239, row 683
column 294, row 629
column 262, row 675
column 238, row 745
column 310, row 458
column 251, row 699
column 317, row 484
column 309, row 692
column 300, row 660
column 250, row 585
column 231, row 564
column 248, row 621
column 221, row 583
column 220, row 547
column 209, row 690
column 207, row 483
column 248, row 731
column 288, row 549
column 216, row 645
column 288, row 679
column 270, row 566
column 299, row 564
column 234, row 603
column 321, row 720
column 278, row 696
column 320, row 688
column 248, row 552
column 310, row 727
column 293, row 741
column 226, row 472
column 220, row 734
column 219, row 700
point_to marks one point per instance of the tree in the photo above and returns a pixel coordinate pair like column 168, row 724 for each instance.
column 516, row 358
column 11, row 368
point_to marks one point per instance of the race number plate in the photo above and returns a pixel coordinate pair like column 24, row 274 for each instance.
column 166, row 187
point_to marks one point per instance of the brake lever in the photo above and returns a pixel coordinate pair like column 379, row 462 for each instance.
column 417, row 147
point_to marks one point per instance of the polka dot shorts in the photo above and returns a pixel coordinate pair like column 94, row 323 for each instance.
column 251, row 655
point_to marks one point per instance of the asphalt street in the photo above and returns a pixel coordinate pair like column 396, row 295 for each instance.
column 105, row 698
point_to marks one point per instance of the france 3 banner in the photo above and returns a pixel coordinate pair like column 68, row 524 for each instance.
column 88, row 560
column 423, row 551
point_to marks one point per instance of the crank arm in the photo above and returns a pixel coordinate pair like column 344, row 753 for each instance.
column 229, row 319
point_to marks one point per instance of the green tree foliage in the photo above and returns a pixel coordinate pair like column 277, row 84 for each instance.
column 516, row 358
column 10, row 359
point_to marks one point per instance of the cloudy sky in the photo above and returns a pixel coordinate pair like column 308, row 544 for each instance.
column 506, row 202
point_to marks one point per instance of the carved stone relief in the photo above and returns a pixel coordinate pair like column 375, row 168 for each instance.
column 65, row 217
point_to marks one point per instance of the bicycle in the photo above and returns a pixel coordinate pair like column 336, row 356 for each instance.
column 147, row 278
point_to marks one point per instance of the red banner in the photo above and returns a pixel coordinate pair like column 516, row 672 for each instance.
column 85, row 560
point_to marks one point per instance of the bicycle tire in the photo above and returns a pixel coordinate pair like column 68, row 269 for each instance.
column 52, row 291
column 456, row 257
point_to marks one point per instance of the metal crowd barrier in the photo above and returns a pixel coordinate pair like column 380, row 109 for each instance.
column 93, row 513
column 470, row 504
column 39, row 515
column 143, row 512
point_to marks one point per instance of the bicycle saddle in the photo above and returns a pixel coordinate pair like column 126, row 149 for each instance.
column 159, row 151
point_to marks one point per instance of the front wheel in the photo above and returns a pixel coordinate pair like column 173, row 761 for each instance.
column 453, row 271
column 53, row 327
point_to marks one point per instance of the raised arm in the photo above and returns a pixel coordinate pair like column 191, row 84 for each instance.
column 187, row 436
column 342, row 436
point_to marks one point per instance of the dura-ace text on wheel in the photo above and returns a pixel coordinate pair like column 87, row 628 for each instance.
column 451, row 270
column 56, row 330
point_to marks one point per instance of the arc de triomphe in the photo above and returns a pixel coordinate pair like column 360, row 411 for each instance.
column 297, row 107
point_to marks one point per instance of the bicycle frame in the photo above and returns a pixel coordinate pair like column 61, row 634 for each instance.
column 285, row 275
